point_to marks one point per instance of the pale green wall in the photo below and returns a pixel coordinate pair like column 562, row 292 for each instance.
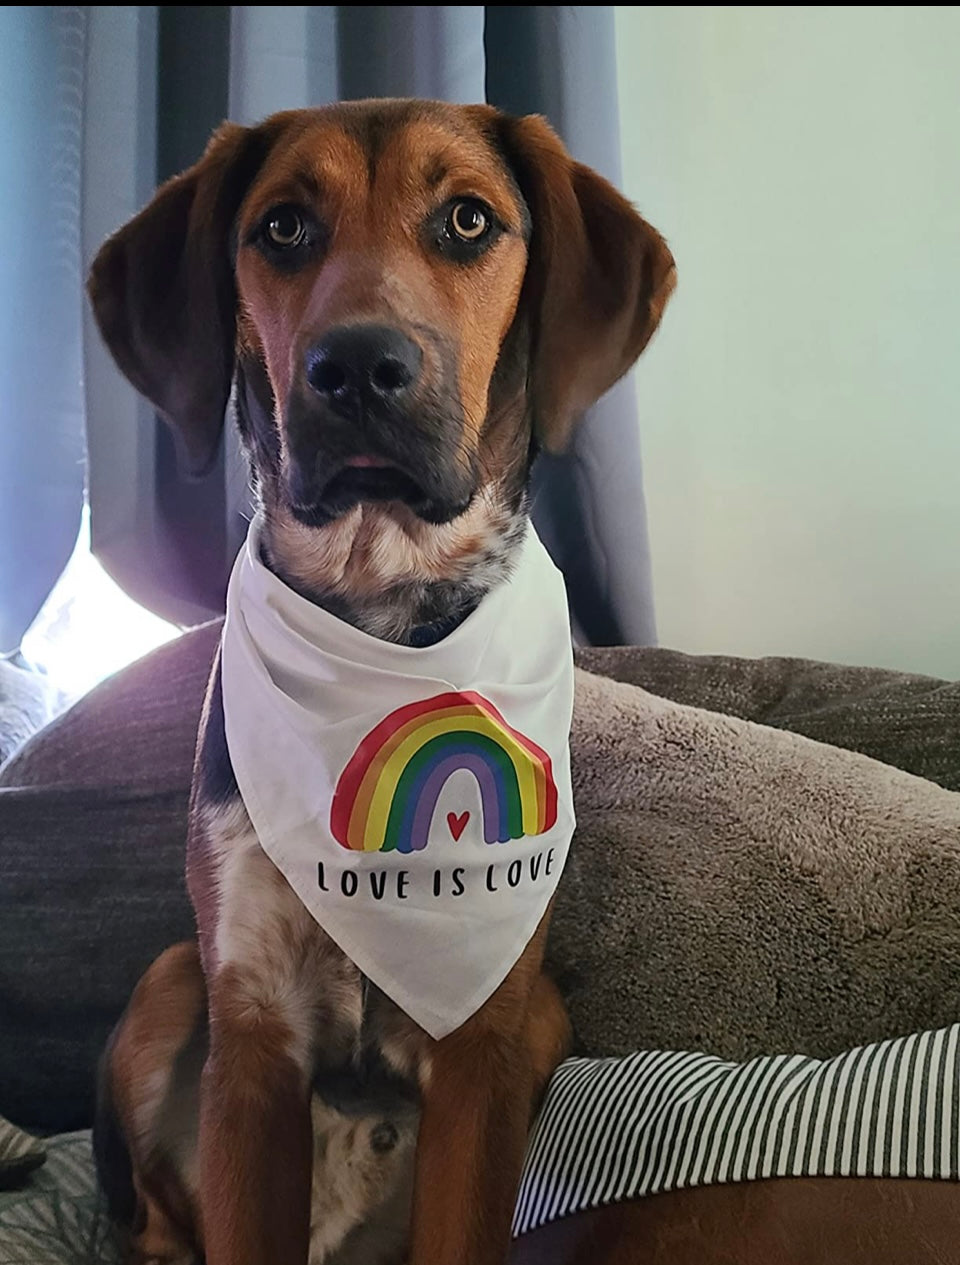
column 801, row 404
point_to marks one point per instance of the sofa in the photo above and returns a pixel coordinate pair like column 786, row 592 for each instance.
column 767, row 860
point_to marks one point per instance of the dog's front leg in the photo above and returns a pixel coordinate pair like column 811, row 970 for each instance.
column 476, row 1109
column 256, row 1148
column 470, row 1148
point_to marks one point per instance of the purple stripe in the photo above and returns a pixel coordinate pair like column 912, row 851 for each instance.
column 426, row 796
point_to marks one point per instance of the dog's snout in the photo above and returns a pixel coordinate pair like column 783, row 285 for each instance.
column 357, row 363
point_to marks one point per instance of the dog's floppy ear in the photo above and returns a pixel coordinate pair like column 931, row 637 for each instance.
column 163, row 292
column 597, row 282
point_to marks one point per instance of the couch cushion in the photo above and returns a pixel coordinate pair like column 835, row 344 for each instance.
column 91, row 891
column 136, row 731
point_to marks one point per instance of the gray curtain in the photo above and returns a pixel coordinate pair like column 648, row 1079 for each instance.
column 41, row 419
column 157, row 81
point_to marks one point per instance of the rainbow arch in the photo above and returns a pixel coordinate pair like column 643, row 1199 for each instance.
column 386, row 796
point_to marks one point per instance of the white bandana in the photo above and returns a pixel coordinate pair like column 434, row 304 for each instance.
column 417, row 800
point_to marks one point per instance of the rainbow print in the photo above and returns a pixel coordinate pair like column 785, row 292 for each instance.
column 386, row 796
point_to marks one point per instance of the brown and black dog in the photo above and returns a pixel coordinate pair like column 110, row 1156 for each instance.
column 408, row 299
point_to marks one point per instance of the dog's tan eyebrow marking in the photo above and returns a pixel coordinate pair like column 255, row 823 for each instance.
column 301, row 188
column 451, row 177
column 308, row 181
column 436, row 173
column 301, row 184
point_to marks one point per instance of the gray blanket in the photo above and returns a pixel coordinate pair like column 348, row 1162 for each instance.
column 732, row 887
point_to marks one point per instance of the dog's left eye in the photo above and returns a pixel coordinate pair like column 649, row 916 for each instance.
column 466, row 227
column 463, row 229
column 284, row 228
column 468, row 220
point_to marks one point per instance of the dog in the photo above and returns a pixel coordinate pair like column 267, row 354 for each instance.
column 452, row 278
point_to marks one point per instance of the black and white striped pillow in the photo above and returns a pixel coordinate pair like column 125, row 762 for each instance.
column 615, row 1129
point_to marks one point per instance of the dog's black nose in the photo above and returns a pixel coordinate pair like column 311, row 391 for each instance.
column 356, row 364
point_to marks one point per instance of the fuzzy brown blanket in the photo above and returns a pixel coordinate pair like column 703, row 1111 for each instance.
column 739, row 889
column 732, row 887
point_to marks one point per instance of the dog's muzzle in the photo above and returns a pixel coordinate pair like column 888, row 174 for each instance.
column 364, row 425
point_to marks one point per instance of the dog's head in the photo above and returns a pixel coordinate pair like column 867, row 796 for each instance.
column 410, row 296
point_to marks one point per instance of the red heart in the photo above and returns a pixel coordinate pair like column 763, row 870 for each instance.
column 457, row 824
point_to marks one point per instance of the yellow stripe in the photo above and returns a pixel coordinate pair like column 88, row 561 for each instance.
column 372, row 832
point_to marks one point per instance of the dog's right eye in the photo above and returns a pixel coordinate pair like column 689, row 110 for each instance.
column 284, row 228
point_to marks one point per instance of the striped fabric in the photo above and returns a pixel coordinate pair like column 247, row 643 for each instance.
column 613, row 1129
column 19, row 1153
column 56, row 1218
